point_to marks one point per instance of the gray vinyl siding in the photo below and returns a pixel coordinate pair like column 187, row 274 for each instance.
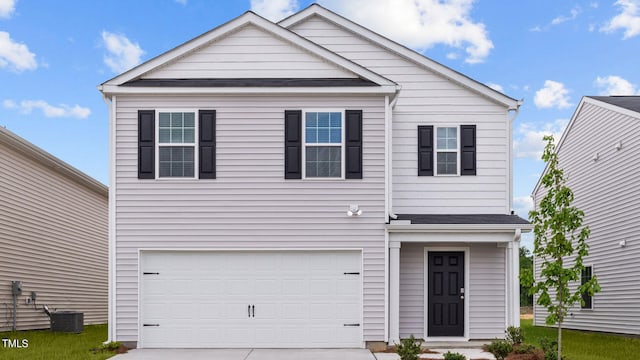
column 486, row 293
column 53, row 238
column 249, row 53
column 250, row 205
column 427, row 98
column 607, row 190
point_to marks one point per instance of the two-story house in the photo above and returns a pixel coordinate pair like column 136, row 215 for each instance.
column 308, row 183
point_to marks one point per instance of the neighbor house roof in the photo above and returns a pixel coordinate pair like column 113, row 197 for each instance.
column 35, row 153
column 628, row 105
column 411, row 55
column 628, row 102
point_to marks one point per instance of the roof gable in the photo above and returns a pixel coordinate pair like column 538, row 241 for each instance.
column 249, row 22
column 404, row 52
column 248, row 52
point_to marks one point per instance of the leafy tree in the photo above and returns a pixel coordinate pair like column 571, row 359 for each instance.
column 526, row 271
column 559, row 233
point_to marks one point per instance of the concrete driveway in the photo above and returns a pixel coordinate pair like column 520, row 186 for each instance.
column 246, row 354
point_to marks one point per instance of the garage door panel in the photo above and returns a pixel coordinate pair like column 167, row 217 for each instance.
column 300, row 299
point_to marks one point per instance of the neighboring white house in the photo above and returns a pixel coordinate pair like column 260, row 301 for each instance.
column 601, row 165
column 308, row 183
column 53, row 237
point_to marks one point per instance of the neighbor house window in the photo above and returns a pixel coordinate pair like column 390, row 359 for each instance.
column 587, row 273
column 447, row 151
column 323, row 147
column 176, row 144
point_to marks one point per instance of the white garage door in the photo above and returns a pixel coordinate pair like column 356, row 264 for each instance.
column 251, row 299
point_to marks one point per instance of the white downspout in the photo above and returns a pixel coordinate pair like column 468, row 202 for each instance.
column 516, row 111
column 389, row 166
column 111, row 331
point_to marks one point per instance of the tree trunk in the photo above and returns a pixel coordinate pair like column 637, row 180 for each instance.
column 560, row 340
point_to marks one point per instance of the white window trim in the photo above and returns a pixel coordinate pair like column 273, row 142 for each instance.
column 196, row 139
column 436, row 151
column 593, row 297
column 304, row 145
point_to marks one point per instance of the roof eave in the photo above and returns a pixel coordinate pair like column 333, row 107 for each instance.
column 28, row 149
column 459, row 227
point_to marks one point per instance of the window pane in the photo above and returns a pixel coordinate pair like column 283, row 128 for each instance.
column 176, row 161
column 323, row 120
column 176, row 120
column 176, row 135
column 447, row 163
column 165, row 119
column 189, row 119
column 323, row 135
column 323, row 161
column 323, row 128
column 336, row 136
column 312, row 119
column 165, row 135
column 447, row 139
column 336, row 119
column 189, row 135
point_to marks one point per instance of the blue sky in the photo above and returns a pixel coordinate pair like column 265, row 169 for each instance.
column 549, row 53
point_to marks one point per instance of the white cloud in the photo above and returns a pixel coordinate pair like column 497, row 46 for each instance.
column 274, row 10
column 528, row 141
column 15, row 56
column 123, row 54
column 628, row 19
column 495, row 87
column 7, row 7
column 573, row 14
column 615, row 85
column 62, row 110
column 421, row 24
column 522, row 205
column 552, row 95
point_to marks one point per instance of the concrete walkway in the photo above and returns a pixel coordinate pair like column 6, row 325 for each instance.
column 246, row 354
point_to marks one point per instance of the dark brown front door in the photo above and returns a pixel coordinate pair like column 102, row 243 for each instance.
column 446, row 293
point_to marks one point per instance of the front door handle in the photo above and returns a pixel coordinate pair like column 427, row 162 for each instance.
column 253, row 310
column 248, row 310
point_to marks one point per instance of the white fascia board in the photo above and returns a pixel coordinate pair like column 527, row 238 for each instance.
column 403, row 51
column 462, row 228
column 233, row 25
column 117, row 90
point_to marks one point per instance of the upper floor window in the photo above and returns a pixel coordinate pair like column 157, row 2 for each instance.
column 323, row 144
column 447, row 151
column 177, row 144
column 587, row 299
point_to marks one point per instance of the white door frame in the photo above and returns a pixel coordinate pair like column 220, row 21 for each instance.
column 467, row 292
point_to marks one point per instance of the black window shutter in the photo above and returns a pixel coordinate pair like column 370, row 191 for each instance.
column 467, row 150
column 425, row 150
column 353, row 144
column 293, row 144
column 207, row 144
column 146, row 144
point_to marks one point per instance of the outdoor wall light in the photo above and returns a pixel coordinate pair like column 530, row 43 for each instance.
column 623, row 243
column 354, row 210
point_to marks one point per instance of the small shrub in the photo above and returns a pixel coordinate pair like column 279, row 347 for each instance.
column 550, row 349
column 409, row 349
column 453, row 356
column 524, row 349
column 500, row 348
column 110, row 346
column 514, row 335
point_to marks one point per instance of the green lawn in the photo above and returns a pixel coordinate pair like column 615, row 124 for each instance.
column 580, row 345
column 46, row 345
